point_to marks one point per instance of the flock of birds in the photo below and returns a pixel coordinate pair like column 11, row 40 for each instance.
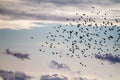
column 83, row 34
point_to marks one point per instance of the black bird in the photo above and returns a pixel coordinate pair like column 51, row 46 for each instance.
column 31, row 37
column 87, row 32
column 93, row 7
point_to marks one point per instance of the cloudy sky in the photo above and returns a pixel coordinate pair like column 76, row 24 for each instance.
column 24, row 25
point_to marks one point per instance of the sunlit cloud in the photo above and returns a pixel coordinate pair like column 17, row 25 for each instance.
column 17, row 24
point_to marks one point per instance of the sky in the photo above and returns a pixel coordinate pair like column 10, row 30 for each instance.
column 26, row 24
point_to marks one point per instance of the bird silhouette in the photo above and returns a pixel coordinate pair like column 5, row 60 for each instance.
column 88, row 32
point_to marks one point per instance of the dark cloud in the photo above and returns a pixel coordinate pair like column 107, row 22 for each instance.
column 53, row 77
column 69, row 2
column 9, row 75
column 16, row 15
column 108, row 57
column 56, row 65
column 17, row 54
column 115, row 1
column 58, row 2
column 36, row 12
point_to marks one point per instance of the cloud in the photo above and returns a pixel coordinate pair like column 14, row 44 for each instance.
column 21, row 14
column 69, row 2
column 18, row 24
column 53, row 77
column 9, row 75
column 85, row 78
column 115, row 1
column 59, row 66
column 18, row 55
column 109, row 57
column 43, row 9
column 76, row 72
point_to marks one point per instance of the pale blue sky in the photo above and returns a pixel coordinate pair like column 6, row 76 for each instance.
column 22, row 19
column 20, row 41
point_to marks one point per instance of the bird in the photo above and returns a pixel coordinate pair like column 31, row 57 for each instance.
column 93, row 7
column 88, row 32
column 31, row 37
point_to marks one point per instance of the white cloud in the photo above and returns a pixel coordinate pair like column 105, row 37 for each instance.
column 19, row 14
column 17, row 24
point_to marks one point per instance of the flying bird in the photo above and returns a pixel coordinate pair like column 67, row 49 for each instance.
column 85, row 32
column 32, row 37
